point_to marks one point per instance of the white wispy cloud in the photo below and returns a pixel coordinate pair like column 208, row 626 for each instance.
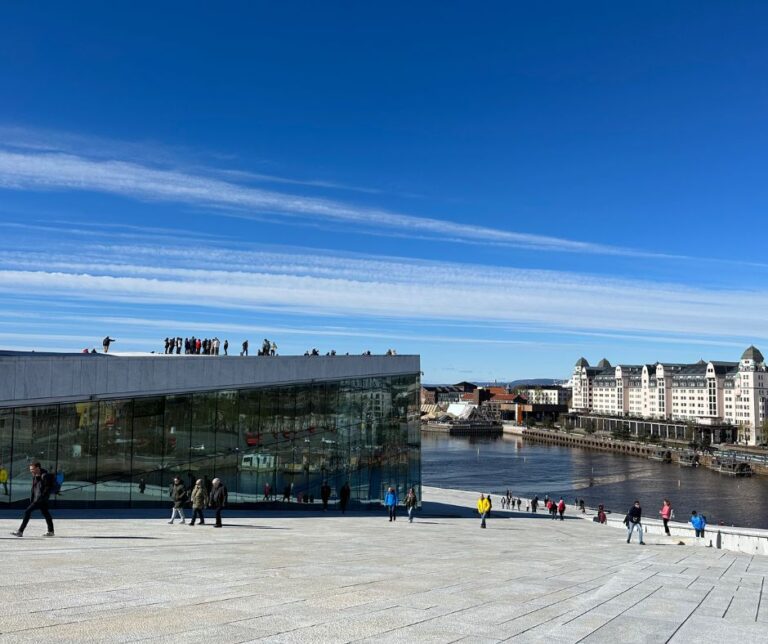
column 384, row 288
column 26, row 169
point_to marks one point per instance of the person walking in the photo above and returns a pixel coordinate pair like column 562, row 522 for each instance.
column 226, row 347
column 482, row 508
column 267, row 492
column 244, row 352
column 534, row 504
column 633, row 521
column 325, row 495
column 4, row 480
column 390, row 500
column 666, row 515
column 699, row 522
column 410, row 503
column 344, row 495
column 519, row 502
column 561, row 508
column 199, row 499
column 601, row 517
column 142, row 486
column 218, row 499
column 106, row 342
column 42, row 486
column 490, row 504
column 178, row 494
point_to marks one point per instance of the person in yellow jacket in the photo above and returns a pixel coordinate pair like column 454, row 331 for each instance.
column 4, row 480
column 483, row 507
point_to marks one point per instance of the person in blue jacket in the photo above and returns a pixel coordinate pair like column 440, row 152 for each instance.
column 390, row 500
column 699, row 522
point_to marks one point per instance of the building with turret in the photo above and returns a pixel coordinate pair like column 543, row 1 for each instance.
column 704, row 393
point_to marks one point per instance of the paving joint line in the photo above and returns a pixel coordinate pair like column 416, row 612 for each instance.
column 677, row 630
column 628, row 608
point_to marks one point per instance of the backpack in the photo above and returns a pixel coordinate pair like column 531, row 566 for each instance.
column 55, row 483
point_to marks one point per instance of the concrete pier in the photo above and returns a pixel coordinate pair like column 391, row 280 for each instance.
column 323, row 577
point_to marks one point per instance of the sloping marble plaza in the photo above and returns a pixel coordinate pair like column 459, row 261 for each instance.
column 300, row 576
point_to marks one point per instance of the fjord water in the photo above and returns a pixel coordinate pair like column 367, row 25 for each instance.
column 526, row 468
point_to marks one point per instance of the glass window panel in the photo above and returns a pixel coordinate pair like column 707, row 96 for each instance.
column 228, row 441
column 115, row 441
column 202, row 446
column 78, row 448
column 148, row 451
column 256, row 460
column 6, row 453
column 178, row 410
column 289, row 453
column 35, row 438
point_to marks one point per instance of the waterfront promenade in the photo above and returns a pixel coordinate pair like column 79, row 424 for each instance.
column 312, row 577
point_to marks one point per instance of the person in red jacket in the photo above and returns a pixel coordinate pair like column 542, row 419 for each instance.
column 561, row 508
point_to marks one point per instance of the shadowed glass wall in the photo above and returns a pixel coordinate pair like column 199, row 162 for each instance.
column 265, row 444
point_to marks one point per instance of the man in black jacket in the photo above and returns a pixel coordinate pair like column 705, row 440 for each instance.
column 218, row 499
column 325, row 494
column 42, row 484
column 633, row 521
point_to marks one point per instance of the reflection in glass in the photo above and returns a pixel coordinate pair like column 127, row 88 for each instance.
column 115, row 441
column 35, row 438
column 78, row 448
column 364, row 431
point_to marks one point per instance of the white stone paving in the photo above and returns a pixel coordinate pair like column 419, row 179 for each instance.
column 314, row 577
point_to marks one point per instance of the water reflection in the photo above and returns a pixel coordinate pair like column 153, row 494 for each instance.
column 495, row 464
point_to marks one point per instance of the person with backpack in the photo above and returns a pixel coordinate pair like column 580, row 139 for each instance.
column 390, row 500
column 199, row 497
column 699, row 522
column 218, row 499
column 178, row 494
column 43, row 484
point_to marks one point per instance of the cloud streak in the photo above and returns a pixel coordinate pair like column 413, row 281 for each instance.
column 381, row 289
column 42, row 170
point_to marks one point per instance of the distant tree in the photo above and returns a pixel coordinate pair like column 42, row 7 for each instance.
column 589, row 426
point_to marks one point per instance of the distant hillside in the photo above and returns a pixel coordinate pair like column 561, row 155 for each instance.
column 534, row 382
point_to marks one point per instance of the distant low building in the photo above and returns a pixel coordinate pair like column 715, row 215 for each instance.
column 446, row 394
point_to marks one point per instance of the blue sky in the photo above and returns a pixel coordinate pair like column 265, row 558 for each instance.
column 501, row 189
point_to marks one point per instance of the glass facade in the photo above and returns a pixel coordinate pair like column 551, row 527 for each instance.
column 125, row 452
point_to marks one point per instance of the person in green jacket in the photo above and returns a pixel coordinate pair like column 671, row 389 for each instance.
column 178, row 494
column 410, row 503
column 199, row 499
